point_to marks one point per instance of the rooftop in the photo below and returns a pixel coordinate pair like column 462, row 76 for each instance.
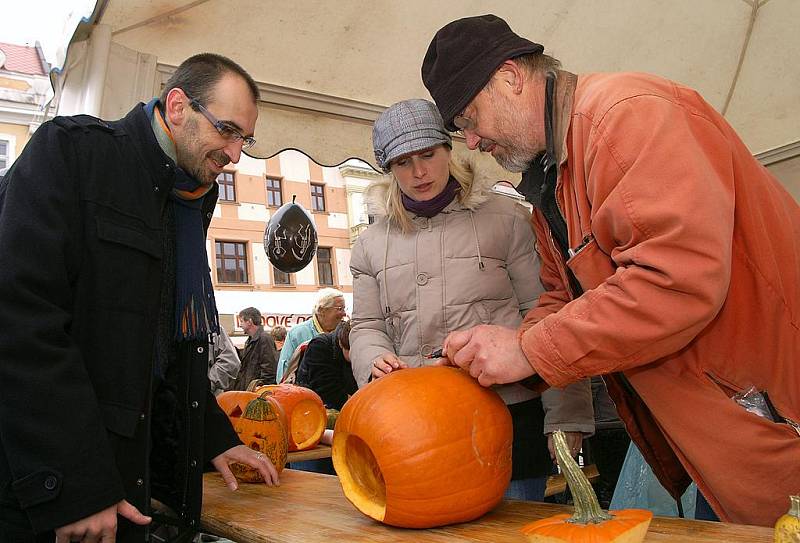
column 22, row 59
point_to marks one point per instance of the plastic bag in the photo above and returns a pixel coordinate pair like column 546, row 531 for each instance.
column 755, row 402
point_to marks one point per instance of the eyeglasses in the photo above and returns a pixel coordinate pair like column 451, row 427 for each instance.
column 225, row 130
column 464, row 123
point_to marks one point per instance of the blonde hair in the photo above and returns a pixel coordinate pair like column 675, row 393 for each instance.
column 461, row 172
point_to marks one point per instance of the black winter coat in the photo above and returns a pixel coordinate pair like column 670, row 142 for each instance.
column 81, row 232
column 325, row 370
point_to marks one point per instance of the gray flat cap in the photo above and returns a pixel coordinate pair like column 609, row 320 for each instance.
column 407, row 127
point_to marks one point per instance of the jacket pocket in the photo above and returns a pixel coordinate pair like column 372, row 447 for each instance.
column 125, row 264
column 120, row 420
column 590, row 265
column 127, row 236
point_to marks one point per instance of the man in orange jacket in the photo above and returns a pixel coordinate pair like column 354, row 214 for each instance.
column 670, row 258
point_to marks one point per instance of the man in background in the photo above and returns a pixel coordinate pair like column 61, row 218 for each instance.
column 259, row 356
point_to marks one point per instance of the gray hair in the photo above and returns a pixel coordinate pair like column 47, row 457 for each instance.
column 326, row 297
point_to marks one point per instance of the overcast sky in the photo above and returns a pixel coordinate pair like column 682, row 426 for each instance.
column 51, row 22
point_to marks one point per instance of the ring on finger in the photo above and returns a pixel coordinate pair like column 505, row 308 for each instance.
column 260, row 456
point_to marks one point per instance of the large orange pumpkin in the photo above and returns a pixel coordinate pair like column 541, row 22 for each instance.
column 261, row 425
column 305, row 413
column 423, row 447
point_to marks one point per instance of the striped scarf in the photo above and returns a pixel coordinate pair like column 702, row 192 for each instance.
column 195, row 307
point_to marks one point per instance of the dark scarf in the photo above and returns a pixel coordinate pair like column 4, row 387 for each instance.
column 429, row 208
column 195, row 306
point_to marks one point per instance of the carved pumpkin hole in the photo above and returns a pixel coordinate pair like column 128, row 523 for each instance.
column 362, row 475
column 307, row 424
column 236, row 412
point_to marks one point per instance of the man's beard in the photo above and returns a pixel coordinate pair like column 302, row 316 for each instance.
column 193, row 161
column 514, row 157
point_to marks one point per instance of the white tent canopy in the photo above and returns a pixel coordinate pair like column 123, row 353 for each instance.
column 327, row 69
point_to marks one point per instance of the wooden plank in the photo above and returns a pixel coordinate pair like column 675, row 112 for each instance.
column 557, row 484
column 310, row 508
column 320, row 451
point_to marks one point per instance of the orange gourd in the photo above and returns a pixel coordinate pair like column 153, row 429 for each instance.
column 261, row 425
column 423, row 447
column 589, row 523
column 305, row 413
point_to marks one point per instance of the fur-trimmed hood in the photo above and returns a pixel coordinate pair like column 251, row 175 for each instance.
column 379, row 205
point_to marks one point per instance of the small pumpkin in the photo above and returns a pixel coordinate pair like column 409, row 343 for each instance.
column 589, row 523
column 787, row 528
column 305, row 414
column 261, row 425
column 423, row 447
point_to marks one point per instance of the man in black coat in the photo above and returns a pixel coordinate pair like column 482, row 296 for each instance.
column 106, row 309
column 259, row 357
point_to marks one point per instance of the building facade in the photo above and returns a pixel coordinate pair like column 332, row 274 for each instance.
column 24, row 93
column 250, row 193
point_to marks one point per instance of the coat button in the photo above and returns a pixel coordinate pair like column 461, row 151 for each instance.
column 50, row 482
column 139, row 482
column 422, row 278
column 195, row 405
column 156, row 189
column 209, row 215
column 193, row 463
column 142, row 416
column 200, row 350
column 425, row 350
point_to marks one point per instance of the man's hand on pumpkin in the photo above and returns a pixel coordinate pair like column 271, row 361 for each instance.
column 245, row 455
column 385, row 364
column 491, row 354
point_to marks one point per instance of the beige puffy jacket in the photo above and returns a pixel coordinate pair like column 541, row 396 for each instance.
column 473, row 263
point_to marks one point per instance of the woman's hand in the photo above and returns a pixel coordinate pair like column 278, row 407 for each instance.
column 386, row 364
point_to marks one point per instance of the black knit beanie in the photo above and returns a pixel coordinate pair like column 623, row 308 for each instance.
column 462, row 58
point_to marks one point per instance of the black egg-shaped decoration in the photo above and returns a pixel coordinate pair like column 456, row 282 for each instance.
column 290, row 239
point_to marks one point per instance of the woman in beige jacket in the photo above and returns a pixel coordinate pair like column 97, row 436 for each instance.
column 446, row 254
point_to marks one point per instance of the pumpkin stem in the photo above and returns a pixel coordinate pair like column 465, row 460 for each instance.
column 794, row 508
column 259, row 409
column 587, row 508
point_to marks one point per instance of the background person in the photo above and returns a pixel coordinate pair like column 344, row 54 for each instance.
column 670, row 256
column 110, row 314
column 259, row 357
column 223, row 363
column 329, row 310
column 325, row 367
column 446, row 254
column 278, row 334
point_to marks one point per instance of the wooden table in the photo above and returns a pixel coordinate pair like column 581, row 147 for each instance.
column 310, row 507
column 320, row 451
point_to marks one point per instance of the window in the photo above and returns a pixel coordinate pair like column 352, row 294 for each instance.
column 324, row 268
column 281, row 278
column 317, row 197
column 5, row 153
column 274, row 194
column 231, row 262
column 227, row 188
